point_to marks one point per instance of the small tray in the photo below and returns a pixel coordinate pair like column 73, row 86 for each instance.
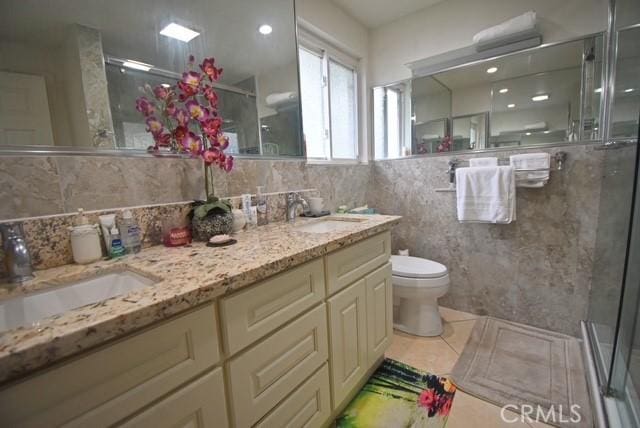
column 223, row 244
column 312, row 215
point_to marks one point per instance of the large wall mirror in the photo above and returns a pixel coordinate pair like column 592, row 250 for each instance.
column 542, row 95
column 71, row 71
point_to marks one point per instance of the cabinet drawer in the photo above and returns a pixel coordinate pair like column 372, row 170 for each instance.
column 200, row 404
column 269, row 371
column 308, row 406
column 253, row 313
column 348, row 328
column 349, row 264
column 379, row 312
column 117, row 380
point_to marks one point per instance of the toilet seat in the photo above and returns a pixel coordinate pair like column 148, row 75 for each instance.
column 416, row 267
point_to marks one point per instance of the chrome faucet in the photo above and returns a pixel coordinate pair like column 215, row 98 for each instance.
column 293, row 200
column 17, row 259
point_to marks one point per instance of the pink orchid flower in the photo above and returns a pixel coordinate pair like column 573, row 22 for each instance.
column 192, row 143
column 223, row 141
column 228, row 163
column 208, row 67
column 170, row 109
column 144, row 106
column 161, row 92
column 210, row 156
column 211, row 96
column 162, row 140
column 182, row 116
column 196, row 111
column 211, row 127
column 180, row 133
column 154, row 125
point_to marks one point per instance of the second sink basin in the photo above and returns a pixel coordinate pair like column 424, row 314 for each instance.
column 330, row 224
column 28, row 309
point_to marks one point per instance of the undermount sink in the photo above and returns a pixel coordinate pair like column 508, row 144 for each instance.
column 31, row 308
column 329, row 224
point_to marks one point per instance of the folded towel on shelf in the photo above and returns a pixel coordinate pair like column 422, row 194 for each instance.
column 486, row 194
column 542, row 126
column 278, row 99
column 529, row 161
column 483, row 162
column 521, row 27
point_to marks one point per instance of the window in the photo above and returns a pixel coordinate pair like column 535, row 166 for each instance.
column 390, row 122
column 328, row 85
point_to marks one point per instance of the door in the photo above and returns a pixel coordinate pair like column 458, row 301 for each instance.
column 24, row 110
column 379, row 312
column 348, row 339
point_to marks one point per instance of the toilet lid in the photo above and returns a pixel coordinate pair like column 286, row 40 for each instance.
column 415, row 267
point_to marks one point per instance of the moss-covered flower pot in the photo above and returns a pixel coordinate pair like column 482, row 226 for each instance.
column 211, row 225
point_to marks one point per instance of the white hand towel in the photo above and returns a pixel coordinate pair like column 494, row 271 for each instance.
column 278, row 99
column 486, row 194
column 524, row 23
column 483, row 162
column 531, row 161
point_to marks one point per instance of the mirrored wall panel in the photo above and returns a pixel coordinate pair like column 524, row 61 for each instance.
column 547, row 94
column 71, row 71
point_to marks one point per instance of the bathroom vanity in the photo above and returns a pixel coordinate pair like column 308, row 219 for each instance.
column 281, row 329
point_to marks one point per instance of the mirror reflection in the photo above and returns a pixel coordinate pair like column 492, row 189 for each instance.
column 548, row 94
column 76, row 68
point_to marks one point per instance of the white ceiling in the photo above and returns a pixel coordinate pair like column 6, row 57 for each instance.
column 373, row 13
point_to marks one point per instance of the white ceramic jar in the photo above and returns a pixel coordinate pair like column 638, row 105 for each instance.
column 85, row 243
column 239, row 220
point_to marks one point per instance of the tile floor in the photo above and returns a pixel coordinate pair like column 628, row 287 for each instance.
column 438, row 355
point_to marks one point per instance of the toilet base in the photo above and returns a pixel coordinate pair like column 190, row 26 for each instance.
column 420, row 318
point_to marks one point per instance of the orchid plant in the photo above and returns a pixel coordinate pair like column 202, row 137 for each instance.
column 184, row 118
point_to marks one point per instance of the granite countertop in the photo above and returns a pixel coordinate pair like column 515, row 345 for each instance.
column 187, row 276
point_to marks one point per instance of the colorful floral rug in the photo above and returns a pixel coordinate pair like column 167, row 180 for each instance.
column 398, row 395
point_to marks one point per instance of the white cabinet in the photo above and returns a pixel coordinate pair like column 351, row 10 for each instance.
column 348, row 340
column 200, row 404
column 379, row 312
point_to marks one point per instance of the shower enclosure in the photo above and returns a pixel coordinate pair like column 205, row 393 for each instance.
column 612, row 331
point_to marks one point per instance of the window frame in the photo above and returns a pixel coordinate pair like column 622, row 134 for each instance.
column 329, row 53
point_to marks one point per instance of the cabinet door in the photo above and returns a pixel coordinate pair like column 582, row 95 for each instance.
column 348, row 333
column 200, row 404
column 379, row 312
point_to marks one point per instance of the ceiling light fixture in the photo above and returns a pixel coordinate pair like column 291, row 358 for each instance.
column 629, row 90
column 598, row 90
column 492, row 70
column 165, row 85
column 504, row 90
column 265, row 29
column 511, row 105
column 178, row 32
column 137, row 65
column 541, row 97
column 546, row 132
column 528, row 133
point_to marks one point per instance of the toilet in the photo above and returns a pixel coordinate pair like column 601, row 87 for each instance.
column 417, row 285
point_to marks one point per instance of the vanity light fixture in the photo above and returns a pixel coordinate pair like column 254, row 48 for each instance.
column 511, row 105
column 265, row 29
column 541, row 97
column 504, row 90
column 598, row 90
column 179, row 32
column 137, row 65
column 629, row 90
column 492, row 70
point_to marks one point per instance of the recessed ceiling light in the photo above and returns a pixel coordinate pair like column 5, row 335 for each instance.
column 598, row 90
column 137, row 65
column 541, row 97
column 511, row 105
column 629, row 90
column 546, row 132
column 528, row 133
column 492, row 70
column 165, row 85
column 265, row 29
column 504, row 90
column 178, row 32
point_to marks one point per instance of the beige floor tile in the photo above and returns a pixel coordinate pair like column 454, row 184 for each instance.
column 457, row 333
column 451, row 315
column 471, row 412
column 431, row 354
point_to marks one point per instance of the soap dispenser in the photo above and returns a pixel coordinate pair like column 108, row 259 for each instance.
column 85, row 240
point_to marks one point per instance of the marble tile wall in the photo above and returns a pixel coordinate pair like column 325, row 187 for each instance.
column 536, row 270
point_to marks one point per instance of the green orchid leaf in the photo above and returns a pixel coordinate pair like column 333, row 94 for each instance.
column 212, row 207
